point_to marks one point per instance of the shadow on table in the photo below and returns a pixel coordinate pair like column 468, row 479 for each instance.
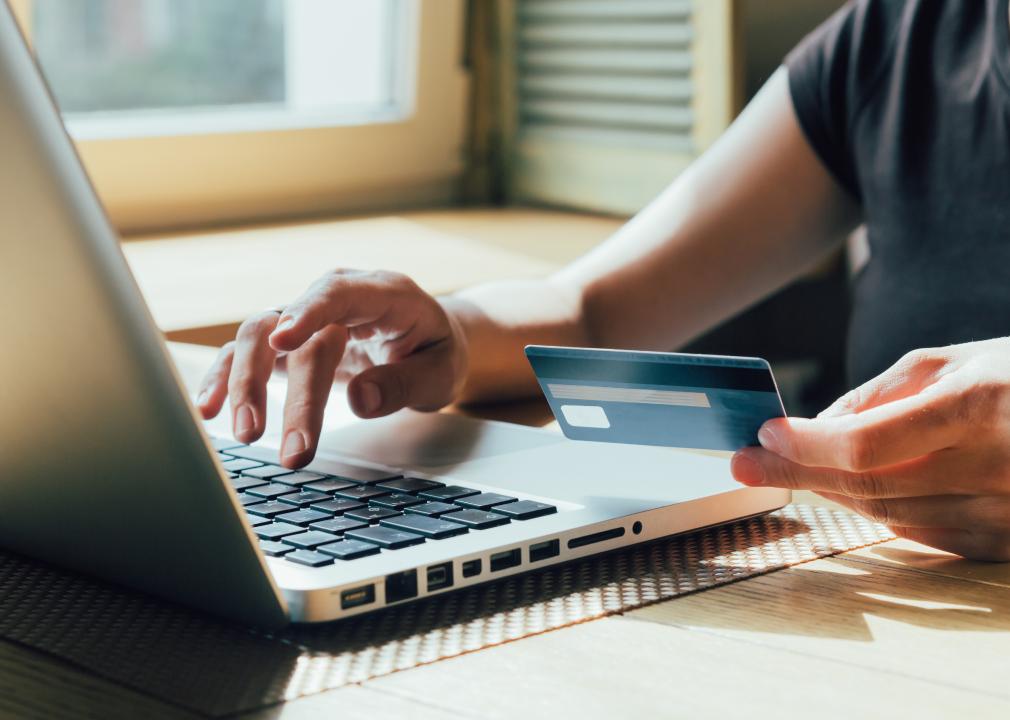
column 213, row 667
column 839, row 599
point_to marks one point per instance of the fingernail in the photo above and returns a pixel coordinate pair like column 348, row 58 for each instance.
column 286, row 323
column 294, row 444
column 766, row 436
column 747, row 470
column 244, row 420
column 370, row 396
column 201, row 399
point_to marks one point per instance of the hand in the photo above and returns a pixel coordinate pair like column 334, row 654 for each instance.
column 392, row 343
column 923, row 448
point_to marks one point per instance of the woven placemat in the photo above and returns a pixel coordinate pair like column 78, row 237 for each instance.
column 212, row 667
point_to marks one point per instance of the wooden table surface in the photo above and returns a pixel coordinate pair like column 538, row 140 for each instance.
column 896, row 630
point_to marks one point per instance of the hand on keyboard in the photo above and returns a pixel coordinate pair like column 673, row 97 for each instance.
column 393, row 343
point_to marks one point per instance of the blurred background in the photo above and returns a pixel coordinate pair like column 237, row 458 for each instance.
column 193, row 115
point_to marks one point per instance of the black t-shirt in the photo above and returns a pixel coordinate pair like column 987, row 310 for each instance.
column 908, row 106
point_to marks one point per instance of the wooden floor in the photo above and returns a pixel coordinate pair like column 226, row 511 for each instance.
column 893, row 631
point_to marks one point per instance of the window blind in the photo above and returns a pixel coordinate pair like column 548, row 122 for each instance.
column 614, row 97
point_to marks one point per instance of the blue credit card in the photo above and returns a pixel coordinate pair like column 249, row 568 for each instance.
column 702, row 402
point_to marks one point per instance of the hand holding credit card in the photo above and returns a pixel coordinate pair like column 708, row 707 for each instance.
column 700, row 402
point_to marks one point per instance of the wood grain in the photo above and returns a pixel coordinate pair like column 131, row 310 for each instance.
column 621, row 668
column 35, row 685
column 945, row 631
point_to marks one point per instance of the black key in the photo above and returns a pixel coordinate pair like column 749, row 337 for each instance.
column 242, row 483
column 432, row 509
column 309, row 557
column 428, row 526
column 310, row 539
column 269, row 509
column 524, row 509
column 273, row 531
column 450, row 492
column 249, row 499
column 385, row 537
column 224, row 443
column 354, row 473
column 329, row 485
column 338, row 526
column 371, row 514
column 360, row 492
column 349, row 549
column 319, row 465
column 303, row 497
column 266, row 472
column 256, row 520
column 395, row 502
column 300, row 478
column 477, row 519
column 270, row 491
column 239, row 464
column 410, row 485
column 302, row 517
column 484, row 501
column 274, row 548
column 337, row 507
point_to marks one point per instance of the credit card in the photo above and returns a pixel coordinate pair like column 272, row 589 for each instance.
column 701, row 402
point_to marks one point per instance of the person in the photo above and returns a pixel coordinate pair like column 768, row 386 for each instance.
column 892, row 114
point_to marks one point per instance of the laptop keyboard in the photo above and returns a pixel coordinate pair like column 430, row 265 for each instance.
column 315, row 519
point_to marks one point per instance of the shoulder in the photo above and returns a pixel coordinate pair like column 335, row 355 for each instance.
column 853, row 46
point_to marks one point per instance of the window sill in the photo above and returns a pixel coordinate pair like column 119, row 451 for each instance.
column 200, row 286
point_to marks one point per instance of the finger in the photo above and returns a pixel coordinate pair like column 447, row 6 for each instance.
column 886, row 435
column 310, row 377
column 376, row 300
column 972, row 545
column 423, row 381
column 214, row 387
column 909, row 376
column 251, row 368
column 947, row 472
column 975, row 513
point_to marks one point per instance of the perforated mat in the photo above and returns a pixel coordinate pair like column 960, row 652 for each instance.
column 216, row 668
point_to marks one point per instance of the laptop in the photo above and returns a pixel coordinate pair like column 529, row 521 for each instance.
column 106, row 468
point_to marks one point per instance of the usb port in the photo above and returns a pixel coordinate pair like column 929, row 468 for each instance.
column 506, row 559
column 471, row 568
column 440, row 576
column 543, row 550
column 358, row 596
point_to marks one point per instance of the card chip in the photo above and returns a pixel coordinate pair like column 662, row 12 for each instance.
column 586, row 416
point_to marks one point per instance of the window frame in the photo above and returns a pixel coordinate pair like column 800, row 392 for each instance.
column 174, row 181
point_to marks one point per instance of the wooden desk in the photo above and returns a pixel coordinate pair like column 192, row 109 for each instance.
column 897, row 630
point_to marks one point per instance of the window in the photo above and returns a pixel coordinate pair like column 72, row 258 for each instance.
column 191, row 112
column 129, row 67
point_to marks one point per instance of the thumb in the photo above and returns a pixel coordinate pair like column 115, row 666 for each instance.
column 909, row 376
column 425, row 380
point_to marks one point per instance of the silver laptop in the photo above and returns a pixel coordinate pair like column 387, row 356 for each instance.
column 105, row 467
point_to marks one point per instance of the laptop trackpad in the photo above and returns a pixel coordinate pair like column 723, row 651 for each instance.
column 431, row 440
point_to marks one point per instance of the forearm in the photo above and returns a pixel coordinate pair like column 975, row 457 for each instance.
column 753, row 212
column 498, row 319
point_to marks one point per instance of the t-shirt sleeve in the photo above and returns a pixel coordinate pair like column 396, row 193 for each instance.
column 832, row 73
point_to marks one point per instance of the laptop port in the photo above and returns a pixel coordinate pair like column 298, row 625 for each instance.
column 401, row 586
column 440, row 576
column 506, row 559
column 471, row 568
column 543, row 550
column 357, row 596
column 596, row 537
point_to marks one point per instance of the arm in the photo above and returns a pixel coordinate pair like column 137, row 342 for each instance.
column 752, row 213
